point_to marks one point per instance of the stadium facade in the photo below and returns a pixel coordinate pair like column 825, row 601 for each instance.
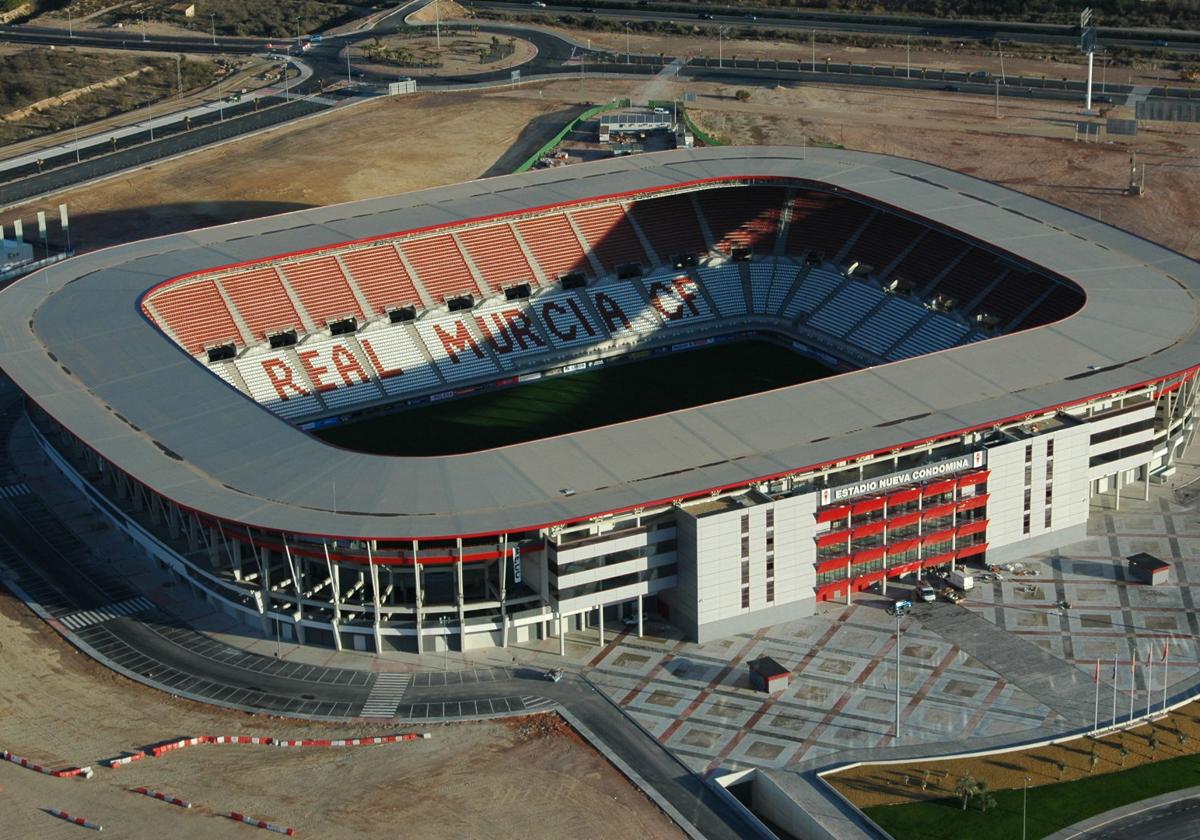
column 1005, row 361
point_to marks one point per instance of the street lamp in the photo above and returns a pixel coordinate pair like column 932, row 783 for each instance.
column 70, row 23
column 212, row 22
column 721, row 45
column 75, row 129
column 143, row 20
column 627, row 42
column 1024, row 801
column 897, row 737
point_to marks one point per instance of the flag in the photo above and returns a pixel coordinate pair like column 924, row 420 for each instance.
column 1164, row 656
column 1114, row 679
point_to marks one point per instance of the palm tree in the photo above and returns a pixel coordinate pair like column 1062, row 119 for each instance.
column 986, row 800
column 965, row 789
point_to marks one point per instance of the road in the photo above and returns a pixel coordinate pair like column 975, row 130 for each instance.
column 1178, row 819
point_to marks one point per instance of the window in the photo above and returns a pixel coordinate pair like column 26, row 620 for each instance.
column 745, row 572
column 1049, row 493
column 1048, row 517
column 746, row 599
column 770, row 542
column 770, row 517
column 1029, row 453
column 770, row 565
column 746, row 545
column 1049, row 470
column 1025, row 526
column 1050, row 448
column 1028, row 497
column 770, row 592
column 745, row 523
column 1028, row 474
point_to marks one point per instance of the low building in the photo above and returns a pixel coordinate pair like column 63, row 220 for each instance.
column 187, row 10
column 766, row 674
column 1146, row 568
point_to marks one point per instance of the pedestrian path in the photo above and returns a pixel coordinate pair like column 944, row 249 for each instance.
column 386, row 694
column 11, row 491
column 86, row 618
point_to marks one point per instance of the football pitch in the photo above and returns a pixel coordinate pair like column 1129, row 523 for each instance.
column 583, row 400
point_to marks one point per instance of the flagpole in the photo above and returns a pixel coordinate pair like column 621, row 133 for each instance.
column 1114, row 685
column 1132, row 681
column 1096, row 713
column 1166, row 662
column 1149, row 677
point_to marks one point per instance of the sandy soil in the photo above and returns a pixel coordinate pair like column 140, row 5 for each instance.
column 890, row 784
column 531, row 777
column 385, row 147
column 459, row 55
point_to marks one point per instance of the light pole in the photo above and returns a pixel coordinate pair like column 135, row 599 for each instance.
column 70, row 23
column 1024, row 801
column 908, row 56
column 721, row 45
column 75, row 129
column 627, row 42
column 897, row 738
column 814, row 50
column 212, row 22
column 143, row 19
column 437, row 25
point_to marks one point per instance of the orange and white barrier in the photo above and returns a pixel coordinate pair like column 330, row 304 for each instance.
column 63, row 815
column 172, row 800
column 128, row 758
column 353, row 742
column 67, row 773
column 234, row 815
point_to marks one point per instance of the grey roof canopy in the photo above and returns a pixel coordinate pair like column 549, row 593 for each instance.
column 73, row 339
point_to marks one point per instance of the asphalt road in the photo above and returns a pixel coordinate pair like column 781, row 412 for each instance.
column 1177, row 820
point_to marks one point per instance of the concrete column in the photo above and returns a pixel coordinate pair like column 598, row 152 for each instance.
column 420, row 594
column 264, row 583
column 600, row 615
column 562, row 635
column 503, row 591
column 462, row 614
column 849, row 587
column 1146, row 484
column 639, row 609
column 1117, row 490
column 214, row 548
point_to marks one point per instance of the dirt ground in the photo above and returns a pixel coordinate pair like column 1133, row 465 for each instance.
column 871, row 785
column 389, row 146
column 527, row 777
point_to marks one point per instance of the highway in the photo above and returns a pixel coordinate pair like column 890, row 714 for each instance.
column 1178, row 819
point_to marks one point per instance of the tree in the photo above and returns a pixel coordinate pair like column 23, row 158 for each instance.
column 984, row 795
column 965, row 789
column 1124, row 751
column 1153, row 741
column 1062, row 768
column 742, row 95
column 1093, row 760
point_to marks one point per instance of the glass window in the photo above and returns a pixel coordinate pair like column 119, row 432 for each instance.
column 770, row 592
column 746, row 545
column 1025, row 525
column 1028, row 497
column 745, row 523
column 770, row 517
column 1028, row 453
column 745, row 572
column 1049, row 470
column 1048, row 517
column 746, row 599
column 1050, row 448
column 1049, row 493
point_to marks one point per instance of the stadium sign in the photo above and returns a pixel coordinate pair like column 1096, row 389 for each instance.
column 914, row 475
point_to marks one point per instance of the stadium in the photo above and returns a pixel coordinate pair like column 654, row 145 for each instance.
column 822, row 370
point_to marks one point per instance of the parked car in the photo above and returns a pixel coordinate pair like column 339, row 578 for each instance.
column 925, row 592
column 554, row 674
column 538, row 4
column 705, row 16
column 900, row 606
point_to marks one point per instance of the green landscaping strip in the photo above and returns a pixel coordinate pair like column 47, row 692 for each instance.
column 1050, row 807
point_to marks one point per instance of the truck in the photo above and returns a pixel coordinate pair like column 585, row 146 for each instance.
column 962, row 580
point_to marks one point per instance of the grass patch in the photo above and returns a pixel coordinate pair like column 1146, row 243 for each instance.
column 584, row 400
column 1050, row 807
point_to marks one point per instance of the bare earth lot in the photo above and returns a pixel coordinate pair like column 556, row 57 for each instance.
column 529, row 777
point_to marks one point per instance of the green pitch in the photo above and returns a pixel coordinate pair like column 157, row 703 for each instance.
column 583, row 400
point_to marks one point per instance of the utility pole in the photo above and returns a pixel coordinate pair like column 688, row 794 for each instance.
column 1087, row 44
column 1003, row 76
column 627, row 42
column 70, row 23
column 179, row 74
column 997, row 81
column 437, row 25
column 908, row 57
column 75, row 129
column 212, row 22
column 814, row 50
column 143, row 19
column 721, row 45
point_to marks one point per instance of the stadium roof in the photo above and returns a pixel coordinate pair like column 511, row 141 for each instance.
column 73, row 339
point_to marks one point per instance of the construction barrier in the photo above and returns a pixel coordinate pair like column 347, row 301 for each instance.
column 234, row 815
column 170, row 746
column 353, row 742
column 63, row 815
column 128, row 758
column 154, row 794
column 67, row 773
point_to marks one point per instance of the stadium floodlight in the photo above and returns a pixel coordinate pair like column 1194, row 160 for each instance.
column 852, row 267
column 1087, row 45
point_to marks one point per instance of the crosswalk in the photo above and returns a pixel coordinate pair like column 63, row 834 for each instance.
column 386, row 694
column 11, row 491
column 86, row 618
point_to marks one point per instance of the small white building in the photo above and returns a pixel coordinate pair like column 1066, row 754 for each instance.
column 14, row 254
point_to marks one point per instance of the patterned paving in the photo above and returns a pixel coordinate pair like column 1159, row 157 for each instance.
column 697, row 699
